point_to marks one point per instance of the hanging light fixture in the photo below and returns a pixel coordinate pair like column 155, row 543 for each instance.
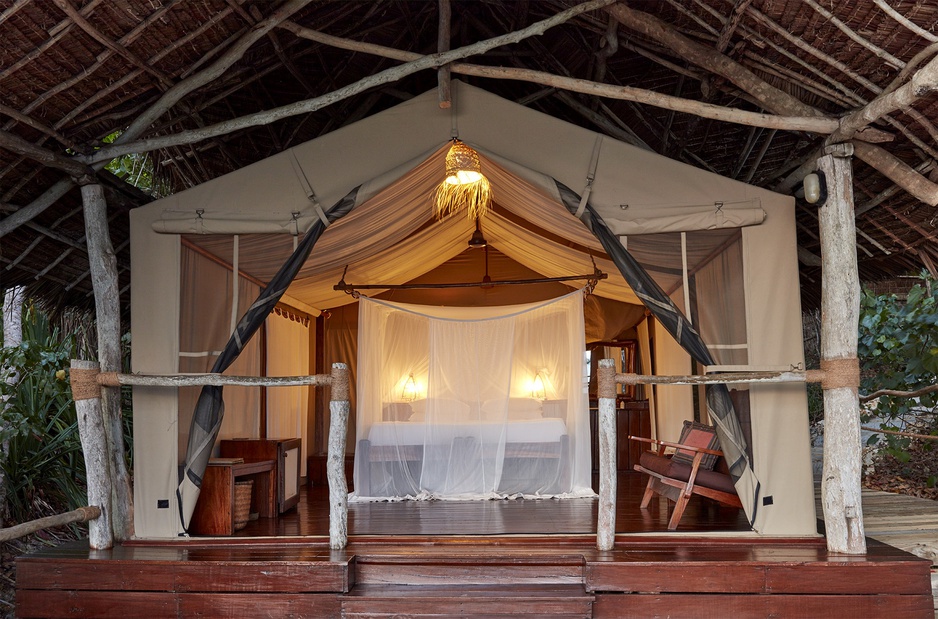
column 464, row 185
column 538, row 389
column 409, row 392
column 477, row 239
column 486, row 280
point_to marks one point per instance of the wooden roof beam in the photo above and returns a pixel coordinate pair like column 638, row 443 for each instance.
column 904, row 21
column 122, row 147
column 38, row 126
column 875, row 50
column 163, row 104
column 79, row 171
column 770, row 97
column 729, row 27
column 843, row 68
column 442, row 45
column 120, row 50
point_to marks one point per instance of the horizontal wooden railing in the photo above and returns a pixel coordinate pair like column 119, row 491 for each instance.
column 87, row 380
column 607, row 381
column 82, row 514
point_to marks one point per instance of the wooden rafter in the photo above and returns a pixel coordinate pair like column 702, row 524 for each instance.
column 776, row 41
column 772, row 98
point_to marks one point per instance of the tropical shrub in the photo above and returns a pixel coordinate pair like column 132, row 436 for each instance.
column 43, row 463
column 898, row 350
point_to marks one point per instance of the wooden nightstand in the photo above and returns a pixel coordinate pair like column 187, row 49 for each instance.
column 285, row 452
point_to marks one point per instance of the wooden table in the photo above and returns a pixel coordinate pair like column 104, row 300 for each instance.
column 285, row 452
column 214, row 512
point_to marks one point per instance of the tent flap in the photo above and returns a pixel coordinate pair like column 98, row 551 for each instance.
column 732, row 440
column 210, row 408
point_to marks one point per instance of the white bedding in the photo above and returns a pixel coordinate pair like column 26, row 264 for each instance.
column 420, row 433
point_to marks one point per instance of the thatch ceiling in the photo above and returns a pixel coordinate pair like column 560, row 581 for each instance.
column 73, row 72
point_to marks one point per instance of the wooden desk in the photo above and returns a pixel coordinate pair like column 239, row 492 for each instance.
column 214, row 512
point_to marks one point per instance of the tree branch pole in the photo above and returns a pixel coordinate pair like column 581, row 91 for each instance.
column 311, row 105
column 113, row 379
column 924, row 437
column 12, row 336
column 103, row 265
column 606, row 519
column 82, row 514
column 906, row 394
column 442, row 45
column 788, row 376
column 770, row 97
column 49, row 158
column 840, row 312
column 91, row 430
column 335, row 457
column 815, row 123
column 160, row 107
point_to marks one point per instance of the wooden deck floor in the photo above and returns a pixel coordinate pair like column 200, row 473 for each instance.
column 905, row 522
column 430, row 560
column 504, row 517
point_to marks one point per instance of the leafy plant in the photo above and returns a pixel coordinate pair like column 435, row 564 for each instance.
column 898, row 350
column 138, row 170
column 43, row 462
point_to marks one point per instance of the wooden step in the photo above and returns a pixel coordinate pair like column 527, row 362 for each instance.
column 555, row 601
column 518, row 568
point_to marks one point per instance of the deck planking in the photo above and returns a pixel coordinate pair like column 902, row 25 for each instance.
column 497, row 517
column 480, row 559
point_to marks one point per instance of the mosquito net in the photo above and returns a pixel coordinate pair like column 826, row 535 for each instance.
column 472, row 402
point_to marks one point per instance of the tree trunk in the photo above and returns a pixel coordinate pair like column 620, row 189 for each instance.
column 335, row 458
column 606, row 521
column 840, row 310
column 92, row 430
column 12, row 336
column 103, row 264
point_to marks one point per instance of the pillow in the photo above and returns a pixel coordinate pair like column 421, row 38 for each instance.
column 697, row 435
column 396, row 411
column 444, row 411
column 518, row 409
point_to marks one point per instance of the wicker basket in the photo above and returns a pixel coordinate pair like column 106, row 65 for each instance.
column 242, row 503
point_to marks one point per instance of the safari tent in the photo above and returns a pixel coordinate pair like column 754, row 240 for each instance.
column 724, row 252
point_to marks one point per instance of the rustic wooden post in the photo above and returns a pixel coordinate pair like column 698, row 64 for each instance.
column 442, row 45
column 840, row 309
column 606, row 522
column 91, row 429
column 103, row 266
column 12, row 336
column 335, row 459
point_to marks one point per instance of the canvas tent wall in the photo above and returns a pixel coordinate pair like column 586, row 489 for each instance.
column 391, row 155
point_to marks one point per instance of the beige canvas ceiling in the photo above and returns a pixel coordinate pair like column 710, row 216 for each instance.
column 390, row 237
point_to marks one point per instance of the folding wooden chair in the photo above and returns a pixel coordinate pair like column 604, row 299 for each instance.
column 687, row 471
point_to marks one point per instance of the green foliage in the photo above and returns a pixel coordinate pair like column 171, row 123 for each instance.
column 898, row 350
column 136, row 169
column 44, row 466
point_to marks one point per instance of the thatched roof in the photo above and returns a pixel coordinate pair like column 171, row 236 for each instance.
column 73, row 72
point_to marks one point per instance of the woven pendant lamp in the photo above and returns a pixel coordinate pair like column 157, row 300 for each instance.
column 464, row 185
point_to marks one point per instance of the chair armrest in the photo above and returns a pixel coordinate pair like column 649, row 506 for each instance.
column 704, row 450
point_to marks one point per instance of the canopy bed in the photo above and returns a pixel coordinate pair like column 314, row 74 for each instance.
column 472, row 402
